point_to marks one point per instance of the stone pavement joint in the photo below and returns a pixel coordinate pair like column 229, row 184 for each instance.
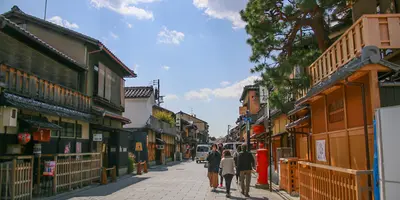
column 186, row 180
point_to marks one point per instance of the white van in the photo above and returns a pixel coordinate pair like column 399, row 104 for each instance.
column 232, row 146
column 202, row 151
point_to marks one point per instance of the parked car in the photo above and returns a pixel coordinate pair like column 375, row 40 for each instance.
column 232, row 146
column 202, row 152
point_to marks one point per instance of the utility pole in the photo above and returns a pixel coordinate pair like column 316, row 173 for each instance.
column 45, row 9
column 158, row 88
column 270, row 140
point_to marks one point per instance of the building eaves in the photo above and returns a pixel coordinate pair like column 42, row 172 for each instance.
column 181, row 112
column 4, row 22
column 138, row 92
column 15, row 11
column 247, row 88
column 341, row 74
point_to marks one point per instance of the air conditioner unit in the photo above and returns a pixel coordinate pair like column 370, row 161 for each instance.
column 9, row 116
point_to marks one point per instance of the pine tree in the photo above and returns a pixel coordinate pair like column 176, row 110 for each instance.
column 287, row 34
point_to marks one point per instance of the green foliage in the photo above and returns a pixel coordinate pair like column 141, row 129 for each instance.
column 131, row 163
column 288, row 34
column 165, row 117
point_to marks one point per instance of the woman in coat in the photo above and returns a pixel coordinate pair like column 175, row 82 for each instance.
column 214, row 159
column 227, row 165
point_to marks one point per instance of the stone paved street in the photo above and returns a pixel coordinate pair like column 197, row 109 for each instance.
column 183, row 181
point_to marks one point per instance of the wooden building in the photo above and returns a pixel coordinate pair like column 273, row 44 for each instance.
column 40, row 96
column 101, row 80
column 351, row 79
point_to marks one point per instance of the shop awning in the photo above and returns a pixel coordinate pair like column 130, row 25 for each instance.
column 41, row 124
column 102, row 112
column 297, row 122
column 297, row 109
column 34, row 105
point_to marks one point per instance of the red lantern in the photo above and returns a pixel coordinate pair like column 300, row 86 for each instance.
column 257, row 129
column 24, row 138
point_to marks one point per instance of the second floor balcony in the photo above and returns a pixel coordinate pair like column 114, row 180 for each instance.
column 28, row 85
column 161, row 126
column 380, row 30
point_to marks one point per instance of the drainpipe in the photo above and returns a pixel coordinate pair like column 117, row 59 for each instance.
column 362, row 86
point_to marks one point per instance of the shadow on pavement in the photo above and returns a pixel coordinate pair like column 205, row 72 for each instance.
column 105, row 190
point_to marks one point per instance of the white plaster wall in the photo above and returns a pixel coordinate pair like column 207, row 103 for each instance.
column 138, row 111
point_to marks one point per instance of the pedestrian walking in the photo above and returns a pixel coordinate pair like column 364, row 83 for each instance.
column 245, row 164
column 213, row 159
column 235, row 158
column 227, row 165
column 193, row 152
column 221, row 149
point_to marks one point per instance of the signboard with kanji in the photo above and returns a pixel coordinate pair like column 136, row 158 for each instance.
column 263, row 95
column 139, row 146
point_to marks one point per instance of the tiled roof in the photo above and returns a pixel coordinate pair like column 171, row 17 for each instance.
column 138, row 92
column 6, row 22
column 15, row 11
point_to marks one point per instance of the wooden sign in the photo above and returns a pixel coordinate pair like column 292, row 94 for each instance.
column 43, row 135
column 139, row 146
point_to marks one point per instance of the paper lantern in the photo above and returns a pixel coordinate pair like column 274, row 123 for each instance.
column 257, row 129
column 24, row 138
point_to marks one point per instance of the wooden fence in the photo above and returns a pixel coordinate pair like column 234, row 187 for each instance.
column 288, row 175
column 322, row 182
column 71, row 171
column 16, row 177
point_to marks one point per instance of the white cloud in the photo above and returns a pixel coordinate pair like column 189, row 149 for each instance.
column 170, row 36
column 171, row 97
column 202, row 94
column 62, row 22
column 232, row 91
column 129, row 25
column 225, row 83
column 165, row 67
column 125, row 7
column 113, row 35
column 223, row 9
column 135, row 68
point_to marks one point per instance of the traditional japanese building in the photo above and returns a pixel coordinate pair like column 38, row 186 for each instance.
column 102, row 81
column 41, row 97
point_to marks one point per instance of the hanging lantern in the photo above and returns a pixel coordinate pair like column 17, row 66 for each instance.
column 24, row 138
column 257, row 129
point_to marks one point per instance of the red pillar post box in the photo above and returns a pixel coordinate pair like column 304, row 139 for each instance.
column 262, row 166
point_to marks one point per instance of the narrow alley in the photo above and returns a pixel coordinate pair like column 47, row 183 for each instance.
column 186, row 180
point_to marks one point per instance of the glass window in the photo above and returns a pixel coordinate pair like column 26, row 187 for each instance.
column 68, row 129
column 78, row 131
column 203, row 149
column 228, row 146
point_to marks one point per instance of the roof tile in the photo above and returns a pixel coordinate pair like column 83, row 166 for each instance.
column 138, row 92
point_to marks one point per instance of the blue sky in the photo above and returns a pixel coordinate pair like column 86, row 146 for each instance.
column 197, row 48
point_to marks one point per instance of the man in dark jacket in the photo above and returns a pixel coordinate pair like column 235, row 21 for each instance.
column 245, row 165
column 214, row 158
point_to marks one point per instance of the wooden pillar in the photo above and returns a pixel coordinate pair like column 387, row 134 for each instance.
column 328, row 155
column 374, row 90
column 344, row 94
